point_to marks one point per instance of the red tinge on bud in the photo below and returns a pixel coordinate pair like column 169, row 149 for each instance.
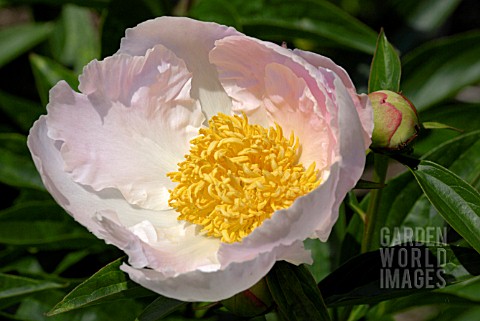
column 396, row 121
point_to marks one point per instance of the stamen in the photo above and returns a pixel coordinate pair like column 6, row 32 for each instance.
column 237, row 175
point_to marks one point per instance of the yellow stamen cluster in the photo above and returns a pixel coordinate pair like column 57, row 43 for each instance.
column 237, row 175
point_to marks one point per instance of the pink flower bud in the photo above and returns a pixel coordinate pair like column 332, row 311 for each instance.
column 395, row 120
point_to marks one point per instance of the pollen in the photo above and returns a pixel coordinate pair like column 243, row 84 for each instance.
column 237, row 175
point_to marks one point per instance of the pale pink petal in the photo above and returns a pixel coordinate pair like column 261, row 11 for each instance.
column 294, row 86
column 173, row 248
column 108, row 144
column 291, row 104
column 212, row 285
column 118, row 78
column 278, row 87
column 362, row 103
column 350, row 151
column 287, row 226
column 81, row 202
column 191, row 41
column 170, row 250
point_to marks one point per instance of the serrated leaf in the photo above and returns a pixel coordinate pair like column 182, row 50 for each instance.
column 385, row 71
column 14, row 285
column 456, row 200
column 440, row 69
column 17, row 167
column 160, row 308
column 108, row 284
column 296, row 293
column 17, row 40
column 47, row 73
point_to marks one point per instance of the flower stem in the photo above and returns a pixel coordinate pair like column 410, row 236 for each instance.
column 380, row 166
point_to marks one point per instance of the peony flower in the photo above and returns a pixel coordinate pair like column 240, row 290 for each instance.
column 204, row 154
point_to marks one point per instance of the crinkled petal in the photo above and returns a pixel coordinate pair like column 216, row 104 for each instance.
column 351, row 153
column 118, row 78
column 170, row 250
column 362, row 103
column 212, row 285
column 277, row 87
column 108, row 144
column 150, row 238
column 317, row 211
column 191, row 41
column 292, row 105
column 287, row 226
column 80, row 202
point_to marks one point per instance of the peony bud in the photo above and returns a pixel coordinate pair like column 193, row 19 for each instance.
column 252, row 302
column 395, row 120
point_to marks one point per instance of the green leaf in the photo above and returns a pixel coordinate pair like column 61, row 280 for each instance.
column 47, row 73
column 159, row 309
column 296, row 293
column 321, row 258
column 461, row 116
column 75, row 41
column 456, row 200
column 327, row 25
column 69, row 260
column 381, row 275
column 468, row 289
column 385, row 71
column 42, row 224
column 108, row 284
column 121, row 14
column 426, row 15
column 440, row 69
column 99, row 4
column 219, row 11
column 17, row 167
column 437, row 125
column 35, row 308
column 403, row 202
column 14, row 285
column 17, row 40
column 20, row 110
column 363, row 184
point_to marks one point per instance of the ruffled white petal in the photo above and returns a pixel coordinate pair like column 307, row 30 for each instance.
column 362, row 103
column 306, row 99
column 171, row 250
column 351, row 153
column 191, row 41
column 127, row 138
column 81, row 202
column 210, row 285
column 276, row 87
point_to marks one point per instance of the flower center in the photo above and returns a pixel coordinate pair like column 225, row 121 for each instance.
column 237, row 175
